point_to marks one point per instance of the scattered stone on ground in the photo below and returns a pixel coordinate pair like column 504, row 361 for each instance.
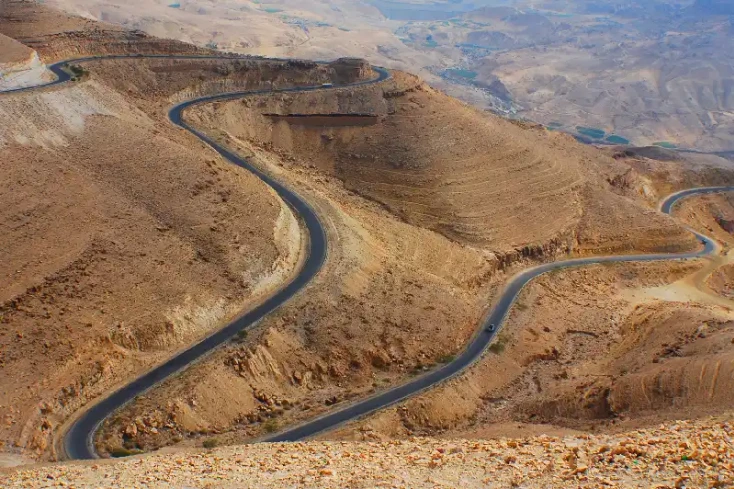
column 681, row 454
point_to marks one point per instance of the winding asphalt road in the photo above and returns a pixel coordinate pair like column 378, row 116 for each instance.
column 484, row 337
column 78, row 440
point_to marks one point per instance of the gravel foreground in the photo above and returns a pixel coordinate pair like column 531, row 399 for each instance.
column 681, row 455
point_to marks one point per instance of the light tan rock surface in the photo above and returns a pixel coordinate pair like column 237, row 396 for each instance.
column 684, row 454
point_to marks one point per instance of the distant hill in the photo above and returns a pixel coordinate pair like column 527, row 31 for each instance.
column 490, row 13
column 714, row 7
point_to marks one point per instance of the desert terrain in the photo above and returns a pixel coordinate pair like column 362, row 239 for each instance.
column 652, row 73
column 372, row 313
column 127, row 240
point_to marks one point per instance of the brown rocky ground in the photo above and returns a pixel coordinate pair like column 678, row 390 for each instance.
column 682, row 454
column 722, row 281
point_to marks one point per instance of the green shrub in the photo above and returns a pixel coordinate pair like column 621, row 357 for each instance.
column 121, row 452
column 497, row 347
column 271, row 426
column 446, row 358
column 210, row 443
column 77, row 70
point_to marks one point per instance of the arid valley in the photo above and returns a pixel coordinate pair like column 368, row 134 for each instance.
column 366, row 244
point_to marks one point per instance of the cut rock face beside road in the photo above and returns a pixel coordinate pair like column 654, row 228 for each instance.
column 19, row 65
column 684, row 454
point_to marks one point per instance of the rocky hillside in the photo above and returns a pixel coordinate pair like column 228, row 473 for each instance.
column 126, row 240
column 430, row 204
column 123, row 239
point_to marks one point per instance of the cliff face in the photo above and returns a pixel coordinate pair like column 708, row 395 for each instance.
column 350, row 70
column 19, row 65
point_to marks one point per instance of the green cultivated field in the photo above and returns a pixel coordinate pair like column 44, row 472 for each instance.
column 614, row 139
column 665, row 144
column 461, row 72
column 591, row 132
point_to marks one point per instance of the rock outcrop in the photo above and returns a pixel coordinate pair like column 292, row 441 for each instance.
column 350, row 70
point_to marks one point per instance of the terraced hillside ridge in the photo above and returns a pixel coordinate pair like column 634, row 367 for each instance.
column 439, row 164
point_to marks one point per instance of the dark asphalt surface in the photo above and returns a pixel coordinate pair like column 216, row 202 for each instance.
column 78, row 439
